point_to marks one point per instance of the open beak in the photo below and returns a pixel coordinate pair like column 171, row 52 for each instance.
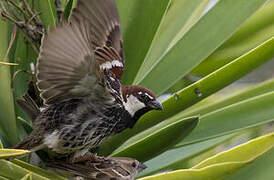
column 141, row 167
column 155, row 105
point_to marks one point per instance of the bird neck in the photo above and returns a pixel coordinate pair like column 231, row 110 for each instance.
column 137, row 116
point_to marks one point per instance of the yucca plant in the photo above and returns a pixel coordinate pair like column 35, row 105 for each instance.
column 165, row 41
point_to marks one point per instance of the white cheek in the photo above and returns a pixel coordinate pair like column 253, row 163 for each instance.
column 111, row 64
column 133, row 104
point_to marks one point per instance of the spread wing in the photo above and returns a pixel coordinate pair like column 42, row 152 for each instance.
column 103, row 17
column 66, row 65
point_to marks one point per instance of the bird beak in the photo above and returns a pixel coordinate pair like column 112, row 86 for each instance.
column 155, row 105
column 141, row 167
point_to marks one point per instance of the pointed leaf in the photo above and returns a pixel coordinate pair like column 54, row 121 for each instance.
column 207, row 86
column 248, row 113
column 68, row 9
column 257, row 29
column 262, row 168
column 3, row 178
column 37, row 170
column 242, row 153
column 7, row 115
column 48, row 12
column 181, row 16
column 183, row 157
column 27, row 177
column 220, row 166
column 12, row 171
column 8, row 64
column 8, row 153
column 214, row 103
column 146, row 145
column 215, row 27
column 140, row 20
column 216, row 172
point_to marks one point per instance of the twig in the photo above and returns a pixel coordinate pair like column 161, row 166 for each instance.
column 26, row 5
column 18, row 7
column 13, row 35
column 20, row 27
column 31, row 31
column 16, row 73
column 32, row 4
column 7, row 16
column 14, row 13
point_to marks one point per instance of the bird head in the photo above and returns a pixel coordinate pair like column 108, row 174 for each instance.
column 139, row 100
column 132, row 166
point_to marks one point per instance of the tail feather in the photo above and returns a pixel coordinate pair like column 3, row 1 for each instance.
column 29, row 106
column 30, row 143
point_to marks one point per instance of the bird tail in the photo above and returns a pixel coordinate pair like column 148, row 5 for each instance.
column 29, row 143
column 29, row 106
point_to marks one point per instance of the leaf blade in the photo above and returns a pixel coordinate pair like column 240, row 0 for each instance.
column 159, row 141
column 214, row 33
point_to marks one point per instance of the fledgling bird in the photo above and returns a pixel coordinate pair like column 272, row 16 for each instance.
column 101, row 168
column 78, row 74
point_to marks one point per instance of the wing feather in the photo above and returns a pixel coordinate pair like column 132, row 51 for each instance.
column 106, row 35
column 67, row 67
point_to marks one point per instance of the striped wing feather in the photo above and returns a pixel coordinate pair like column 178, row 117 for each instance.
column 66, row 65
column 106, row 35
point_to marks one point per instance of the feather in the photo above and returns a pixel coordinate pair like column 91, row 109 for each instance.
column 67, row 67
column 106, row 37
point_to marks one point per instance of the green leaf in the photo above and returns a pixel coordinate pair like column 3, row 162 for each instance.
column 207, row 86
column 8, row 64
column 257, row 29
column 215, row 172
column 181, row 16
column 37, row 170
column 1, row 145
column 184, row 157
column 23, row 56
column 26, row 124
column 12, row 171
column 203, row 107
column 68, row 9
column 48, row 12
column 212, row 83
column 139, row 26
column 27, row 177
column 156, row 140
column 187, row 156
column 221, row 165
column 3, row 178
column 243, row 153
column 250, row 112
column 199, row 42
column 262, row 168
column 8, row 153
column 7, row 114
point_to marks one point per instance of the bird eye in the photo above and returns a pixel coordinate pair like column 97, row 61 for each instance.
column 134, row 164
column 143, row 96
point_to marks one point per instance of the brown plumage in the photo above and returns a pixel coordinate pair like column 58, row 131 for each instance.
column 78, row 73
column 101, row 168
